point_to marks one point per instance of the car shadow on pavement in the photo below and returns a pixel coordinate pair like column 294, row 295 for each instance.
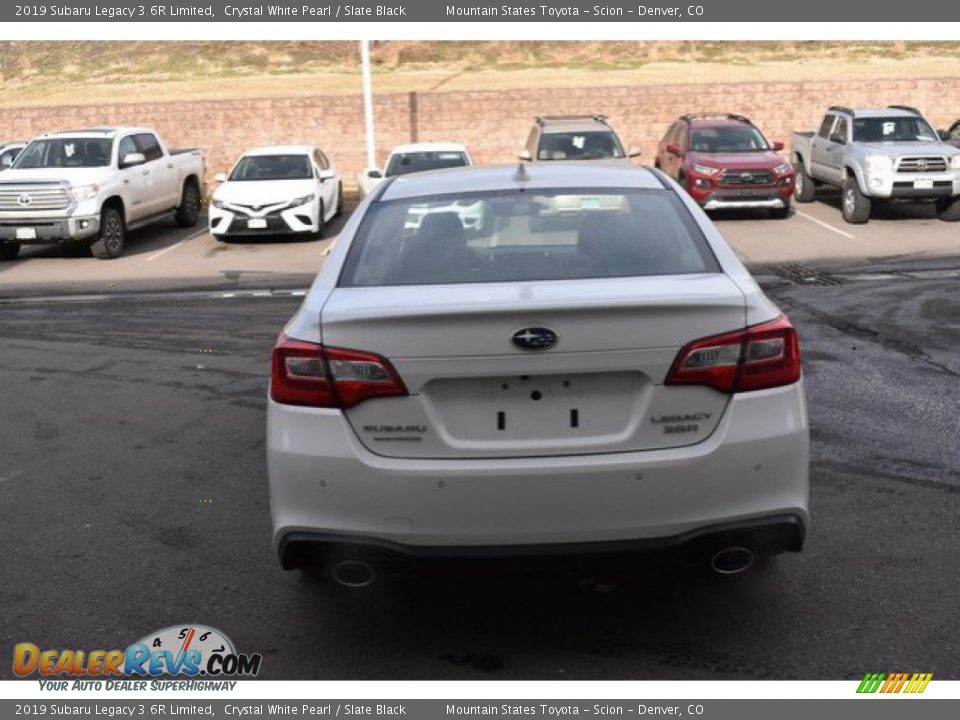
column 887, row 209
column 470, row 617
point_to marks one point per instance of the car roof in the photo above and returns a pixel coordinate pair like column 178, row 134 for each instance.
column 101, row 132
column 531, row 176
column 707, row 122
column 280, row 150
column 428, row 147
column 580, row 125
column 882, row 112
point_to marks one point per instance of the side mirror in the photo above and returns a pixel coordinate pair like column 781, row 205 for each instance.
column 525, row 155
column 6, row 161
column 220, row 178
column 944, row 134
column 838, row 138
column 634, row 152
column 674, row 149
column 374, row 174
column 778, row 145
column 326, row 175
column 131, row 159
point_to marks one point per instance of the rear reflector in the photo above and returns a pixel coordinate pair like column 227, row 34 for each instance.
column 761, row 356
column 316, row 376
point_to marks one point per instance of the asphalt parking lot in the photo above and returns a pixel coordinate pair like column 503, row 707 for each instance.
column 134, row 497
column 165, row 257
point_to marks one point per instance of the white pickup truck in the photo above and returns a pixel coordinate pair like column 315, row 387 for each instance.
column 94, row 185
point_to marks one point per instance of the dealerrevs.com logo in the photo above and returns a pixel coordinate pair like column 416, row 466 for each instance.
column 179, row 650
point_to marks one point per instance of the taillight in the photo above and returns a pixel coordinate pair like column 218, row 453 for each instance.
column 306, row 373
column 761, row 356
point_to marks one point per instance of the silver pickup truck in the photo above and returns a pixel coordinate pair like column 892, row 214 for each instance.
column 94, row 185
column 889, row 153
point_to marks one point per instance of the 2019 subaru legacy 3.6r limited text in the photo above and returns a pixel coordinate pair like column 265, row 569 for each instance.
column 534, row 360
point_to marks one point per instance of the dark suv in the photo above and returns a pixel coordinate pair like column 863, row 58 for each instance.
column 724, row 161
column 574, row 137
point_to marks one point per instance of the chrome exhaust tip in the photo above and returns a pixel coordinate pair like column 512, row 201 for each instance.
column 353, row 573
column 731, row 560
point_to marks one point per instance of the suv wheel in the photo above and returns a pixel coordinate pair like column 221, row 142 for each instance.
column 189, row 210
column 949, row 209
column 9, row 251
column 780, row 213
column 856, row 205
column 109, row 242
column 804, row 189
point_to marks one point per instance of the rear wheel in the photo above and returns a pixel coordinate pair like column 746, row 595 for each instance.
column 856, row 205
column 109, row 242
column 949, row 209
column 189, row 210
column 9, row 251
column 804, row 189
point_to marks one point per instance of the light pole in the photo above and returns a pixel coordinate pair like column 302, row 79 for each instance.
column 368, row 103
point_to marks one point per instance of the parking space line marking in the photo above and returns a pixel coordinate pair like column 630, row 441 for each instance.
column 177, row 244
column 821, row 223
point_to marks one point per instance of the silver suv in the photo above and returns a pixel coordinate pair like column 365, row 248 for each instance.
column 574, row 137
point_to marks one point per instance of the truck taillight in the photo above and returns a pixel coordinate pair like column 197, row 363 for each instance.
column 761, row 356
column 309, row 374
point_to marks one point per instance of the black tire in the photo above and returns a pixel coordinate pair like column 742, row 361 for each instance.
column 855, row 205
column 804, row 188
column 948, row 209
column 321, row 223
column 339, row 200
column 781, row 213
column 9, row 251
column 110, row 239
column 189, row 211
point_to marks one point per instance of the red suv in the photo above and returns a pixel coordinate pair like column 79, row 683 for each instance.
column 724, row 161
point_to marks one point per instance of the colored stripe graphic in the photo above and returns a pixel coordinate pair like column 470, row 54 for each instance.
column 894, row 683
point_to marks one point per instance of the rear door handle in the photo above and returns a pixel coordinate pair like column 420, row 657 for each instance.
column 146, row 172
column 169, row 166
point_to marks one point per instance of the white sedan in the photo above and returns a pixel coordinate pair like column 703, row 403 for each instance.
column 613, row 382
column 277, row 190
column 412, row 158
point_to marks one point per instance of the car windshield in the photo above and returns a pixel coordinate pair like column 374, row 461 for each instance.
column 65, row 153
column 893, row 129
column 592, row 145
column 727, row 139
column 405, row 163
column 511, row 236
column 272, row 167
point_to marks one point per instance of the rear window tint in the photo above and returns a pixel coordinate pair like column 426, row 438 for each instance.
column 523, row 236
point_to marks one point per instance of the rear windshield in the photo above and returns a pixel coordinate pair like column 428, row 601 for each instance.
column 404, row 163
column 272, row 167
column 513, row 236
column 599, row 145
column 727, row 138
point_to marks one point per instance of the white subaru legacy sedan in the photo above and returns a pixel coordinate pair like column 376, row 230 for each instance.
column 603, row 377
column 277, row 190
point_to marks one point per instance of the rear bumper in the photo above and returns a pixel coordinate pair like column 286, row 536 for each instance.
column 326, row 486
column 768, row 535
